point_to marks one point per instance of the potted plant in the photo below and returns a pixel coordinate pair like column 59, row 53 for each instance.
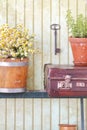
column 78, row 39
column 15, row 45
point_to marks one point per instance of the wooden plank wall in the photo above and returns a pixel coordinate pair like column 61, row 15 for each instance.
column 41, row 114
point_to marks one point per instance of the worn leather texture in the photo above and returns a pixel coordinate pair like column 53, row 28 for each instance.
column 65, row 80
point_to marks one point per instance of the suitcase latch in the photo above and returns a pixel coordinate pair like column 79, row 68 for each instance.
column 65, row 84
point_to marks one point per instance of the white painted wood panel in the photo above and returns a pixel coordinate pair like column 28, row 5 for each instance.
column 85, row 113
column 81, row 4
column 73, row 7
column 55, row 114
column 79, row 113
column 20, row 11
column 46, row 31
column 37, row 16
column 63, row 34
column 19, row 114
column 3, row 115
column 64, row 111
column 28, row 114
column 37, row 114
column 11, row 12
column 54, row 20
column 46, row 114
column 10, row 114
column 29, row 23
column 3, row 13
column 73, row 105
column 40, row 114
column 38, row 57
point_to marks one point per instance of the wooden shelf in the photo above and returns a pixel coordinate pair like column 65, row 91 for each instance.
column 33, row 94
column 27, row 94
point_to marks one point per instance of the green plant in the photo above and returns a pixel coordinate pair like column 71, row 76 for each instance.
column 77, row 27
column 15, row 42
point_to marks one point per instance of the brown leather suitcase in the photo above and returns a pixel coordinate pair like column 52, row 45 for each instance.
column 65, row 81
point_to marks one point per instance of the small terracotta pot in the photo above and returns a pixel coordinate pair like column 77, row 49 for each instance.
column 67, row 127
column 79, row 50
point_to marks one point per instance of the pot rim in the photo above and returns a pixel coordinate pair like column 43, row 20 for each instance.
column 74, row 39
column 68, row 125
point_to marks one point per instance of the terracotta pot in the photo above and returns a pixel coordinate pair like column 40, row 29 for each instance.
column 79, row 50
column 67, row 127
column 13, row 75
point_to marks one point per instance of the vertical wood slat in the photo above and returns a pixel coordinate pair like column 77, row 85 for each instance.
column 73, row 111
column 41, row 114
column 15, row 12
column 54, row 114
column 14, row 114
column 20, row 11
column 37, row 31
column 81, row 10
column 54, row 20
column 11, row 12
column 46, row 114
column 50, row 114
column 5, row 114
column 19, row 113
column 28, row 114
column 37, row 16
column 64, row 108
column 37, row 114
column 23, row 115
column 29, row 23
column 2, row 114
column 24, row 13
column 10, row 114
column 63, row 34
column 72, row 6
column 3, row 102
column 46, row 31
column 6, row 11
column 79, row 113
column 3, row 8
column 32, row 114
column 85, row 112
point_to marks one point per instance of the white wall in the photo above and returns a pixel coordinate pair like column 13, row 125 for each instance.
column 41, row 114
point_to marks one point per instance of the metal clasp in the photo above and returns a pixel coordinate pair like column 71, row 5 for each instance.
column 65, row 84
